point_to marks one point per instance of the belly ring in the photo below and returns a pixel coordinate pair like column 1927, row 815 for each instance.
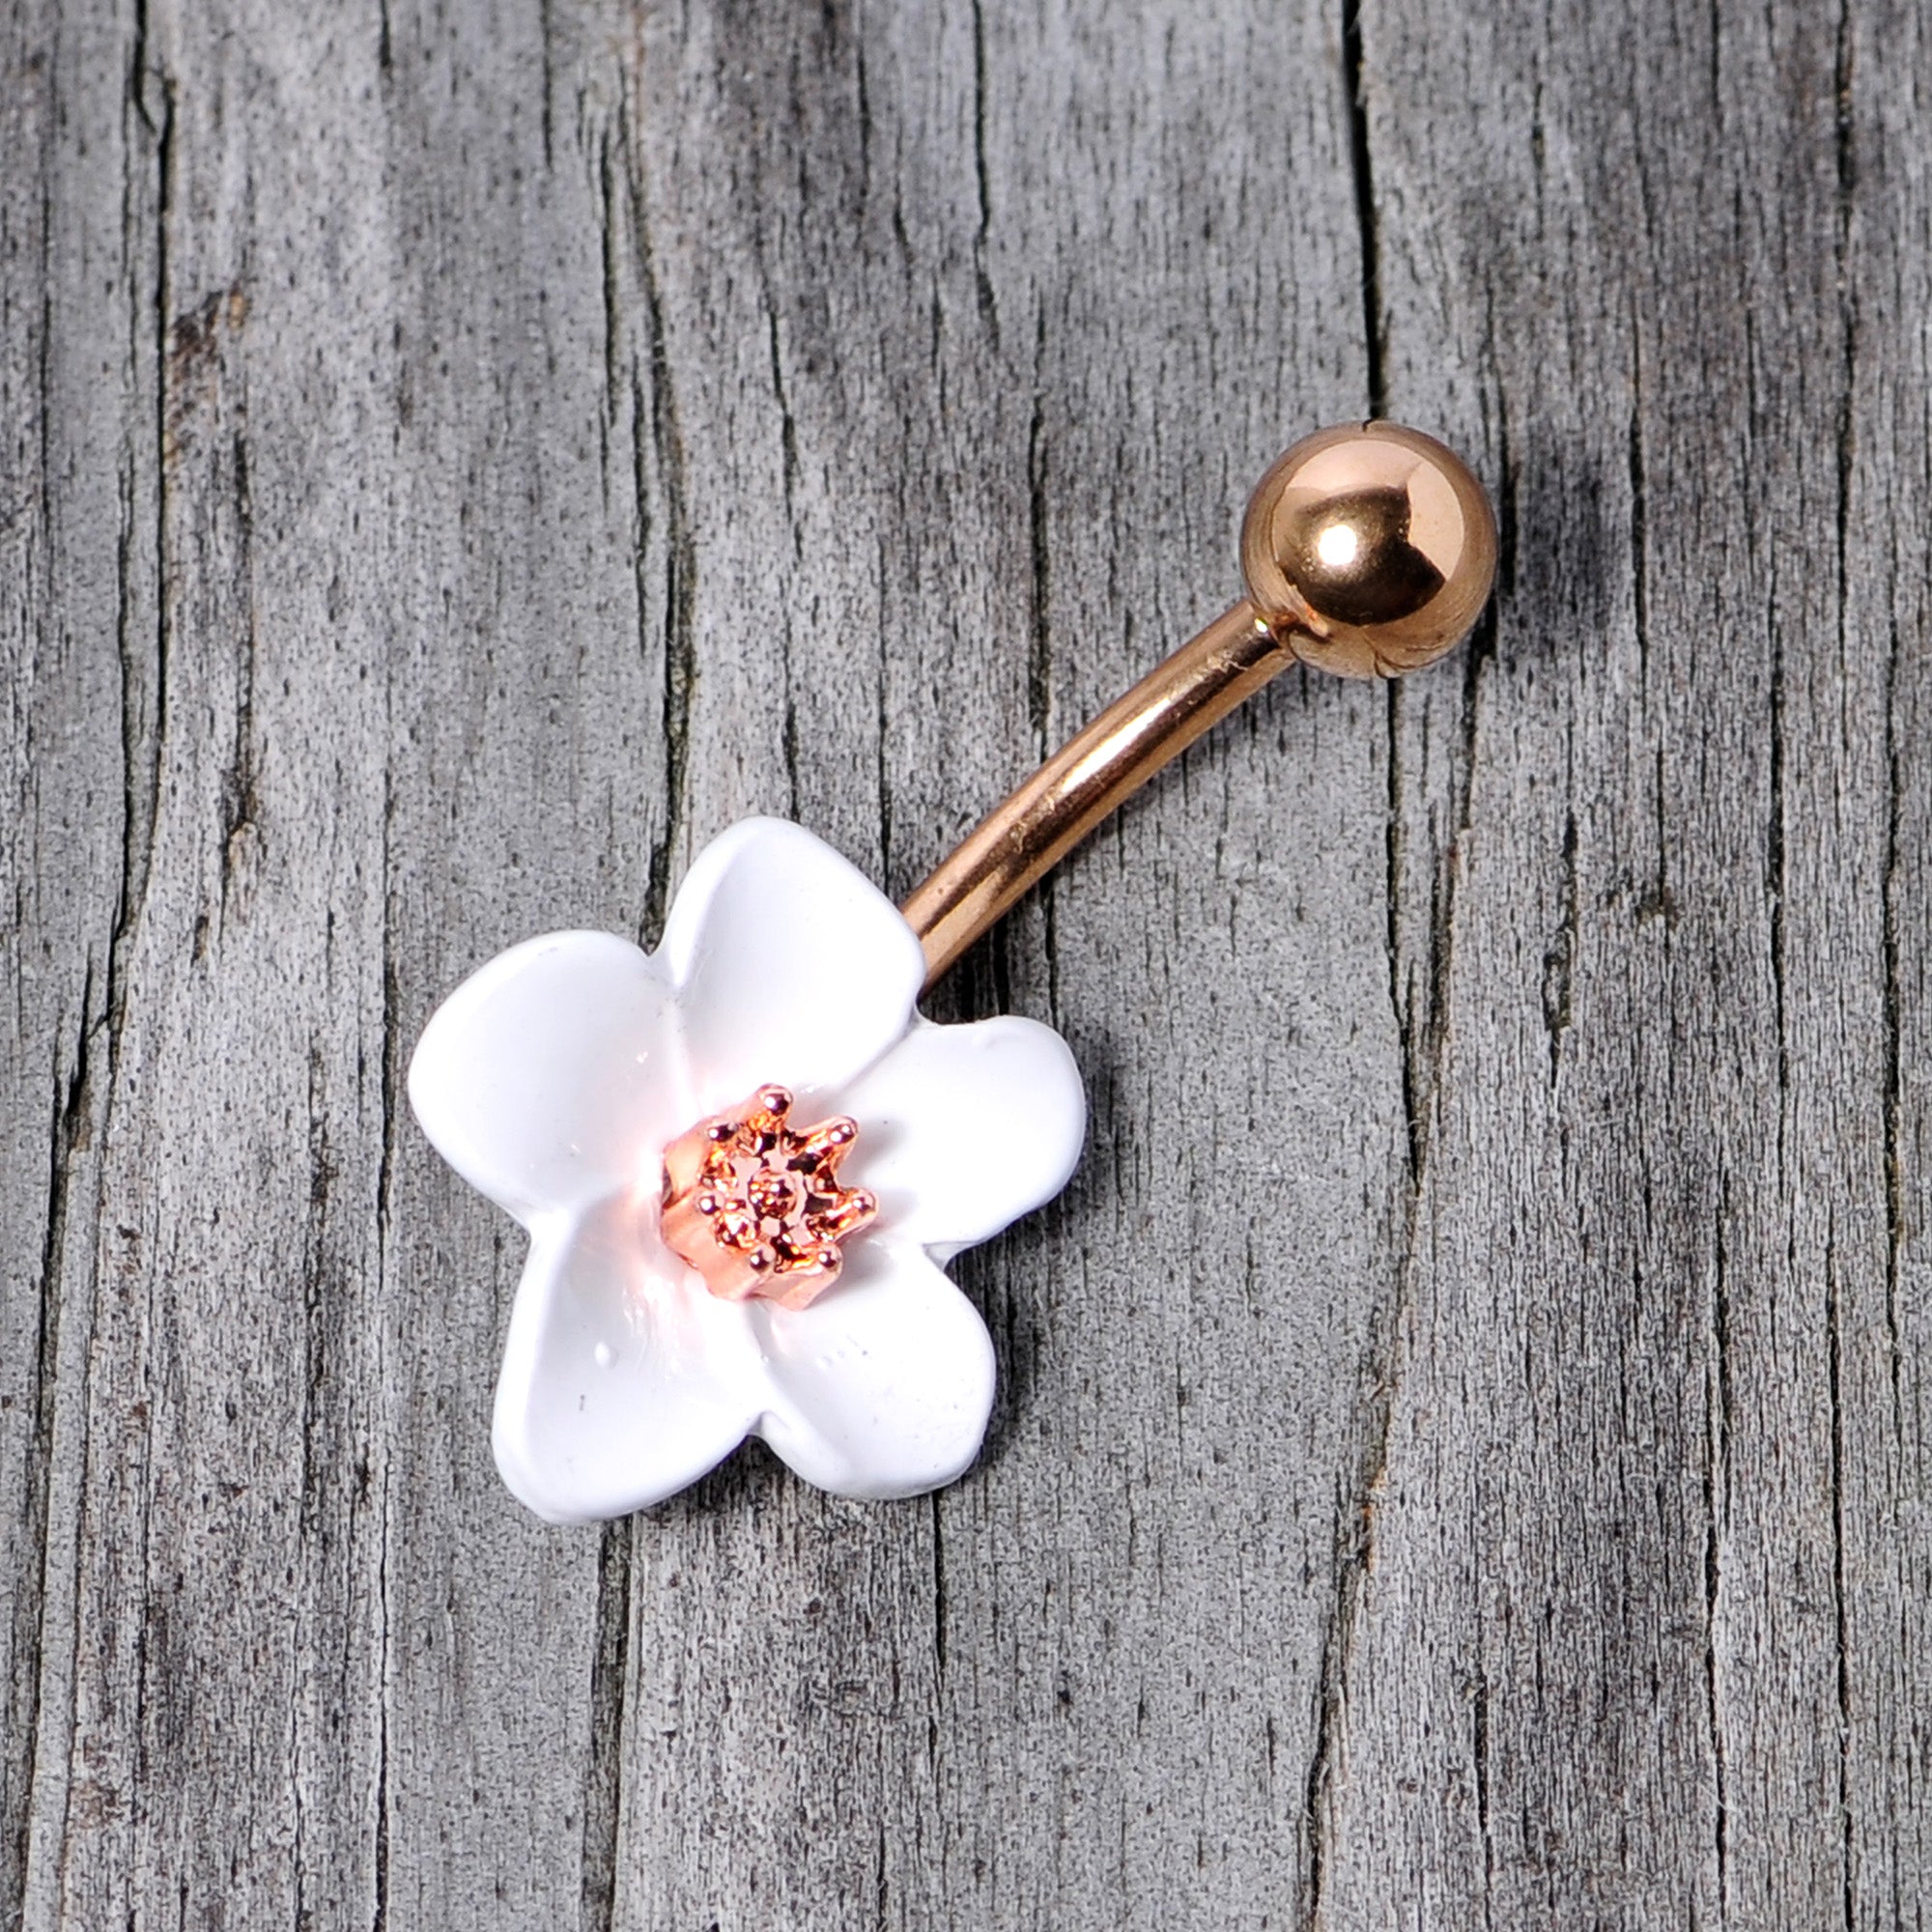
column 743, row 1159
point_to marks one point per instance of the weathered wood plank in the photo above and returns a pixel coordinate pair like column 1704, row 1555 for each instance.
column 527, row 791
column 76, row 577
column 1600, row 1671
column 217, row 1539
column 1461, row 1454
column 1882, row 1346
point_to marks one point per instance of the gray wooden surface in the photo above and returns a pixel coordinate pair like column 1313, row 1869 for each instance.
column 1464, row 1455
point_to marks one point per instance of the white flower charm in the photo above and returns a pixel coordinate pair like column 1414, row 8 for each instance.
column 555, row 1079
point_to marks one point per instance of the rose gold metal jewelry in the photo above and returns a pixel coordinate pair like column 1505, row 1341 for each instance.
column 757, row 1208
column 1369, row 551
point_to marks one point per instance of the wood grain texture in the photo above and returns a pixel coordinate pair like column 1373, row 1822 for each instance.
column 1463, row 1457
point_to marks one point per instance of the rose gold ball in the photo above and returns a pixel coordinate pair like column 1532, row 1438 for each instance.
column 1372, row 547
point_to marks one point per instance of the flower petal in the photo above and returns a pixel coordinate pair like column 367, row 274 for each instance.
column 549, row 1078
column 623, row 1380
column 882, row 1388
column 791, row 965
column 964, row 1128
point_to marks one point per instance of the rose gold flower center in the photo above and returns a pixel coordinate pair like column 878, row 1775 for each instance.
column 755, row 1208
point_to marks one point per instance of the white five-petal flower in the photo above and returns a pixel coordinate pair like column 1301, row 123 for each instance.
column 553, row 1079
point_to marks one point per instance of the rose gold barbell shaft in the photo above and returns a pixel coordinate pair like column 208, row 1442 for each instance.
column 1369, row 551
